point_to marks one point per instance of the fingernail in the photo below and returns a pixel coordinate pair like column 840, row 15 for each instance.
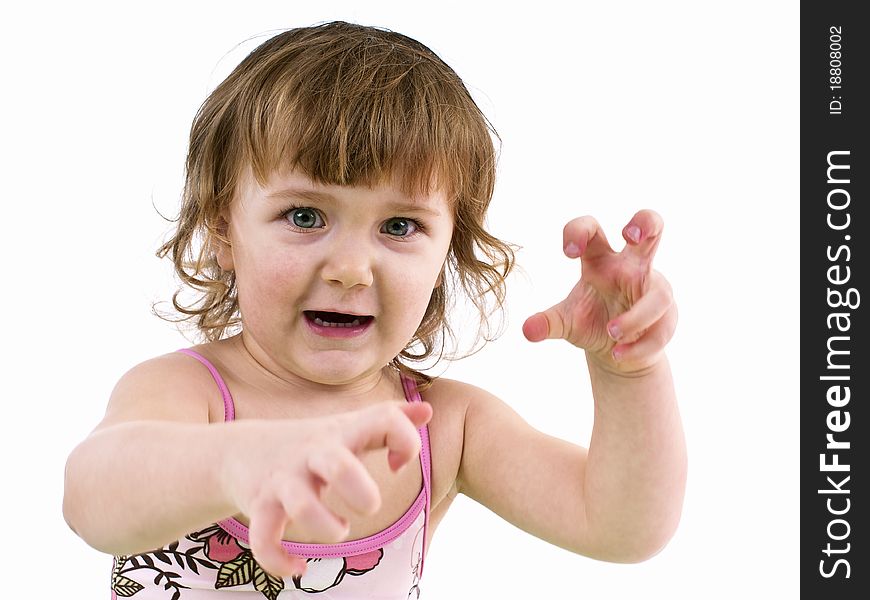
column 572, row 250
column 633, row 233
column 617, row 354
column 614, row 331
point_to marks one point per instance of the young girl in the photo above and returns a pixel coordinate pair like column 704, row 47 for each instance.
column 337, row 186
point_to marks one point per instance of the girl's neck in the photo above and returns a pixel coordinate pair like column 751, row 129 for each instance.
column 356, row 393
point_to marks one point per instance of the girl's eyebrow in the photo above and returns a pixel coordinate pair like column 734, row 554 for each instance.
column 319, row 196
column 300, row 193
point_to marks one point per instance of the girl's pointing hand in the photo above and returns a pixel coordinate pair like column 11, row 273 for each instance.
column 276, row 472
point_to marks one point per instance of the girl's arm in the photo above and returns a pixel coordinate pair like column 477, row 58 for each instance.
column 155, row 470
column 636, row 464
column 620, row 500
column 149, row 472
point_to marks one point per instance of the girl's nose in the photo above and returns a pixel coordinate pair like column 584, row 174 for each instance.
column 348, row 264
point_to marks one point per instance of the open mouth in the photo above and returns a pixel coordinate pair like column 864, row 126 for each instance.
column 337, row 320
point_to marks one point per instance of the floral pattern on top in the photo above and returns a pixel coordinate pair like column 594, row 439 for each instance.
column 233, row 564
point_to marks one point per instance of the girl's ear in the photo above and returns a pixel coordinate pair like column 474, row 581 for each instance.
column 221, row 245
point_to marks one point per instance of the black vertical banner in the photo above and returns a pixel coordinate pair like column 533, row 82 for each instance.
column 835, row 363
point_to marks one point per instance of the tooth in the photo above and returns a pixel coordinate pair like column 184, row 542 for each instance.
column 322, row 323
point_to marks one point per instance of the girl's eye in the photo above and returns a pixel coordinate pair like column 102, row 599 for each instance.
column 400, row 227
column 305, row 218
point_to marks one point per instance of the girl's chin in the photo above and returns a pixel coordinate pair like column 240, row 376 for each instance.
column 337, row 372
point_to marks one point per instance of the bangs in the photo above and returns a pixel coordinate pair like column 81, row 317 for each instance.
column 362, row 111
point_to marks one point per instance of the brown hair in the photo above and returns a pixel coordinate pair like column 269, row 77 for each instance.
column 346, row 105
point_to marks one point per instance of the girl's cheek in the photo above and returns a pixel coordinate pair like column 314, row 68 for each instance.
column 272, row 274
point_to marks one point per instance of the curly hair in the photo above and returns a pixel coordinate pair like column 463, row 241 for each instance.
column 344, row 104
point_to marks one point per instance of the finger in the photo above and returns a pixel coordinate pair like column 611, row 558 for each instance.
column 642, row 235
column 545, row 325
column 316, row 521
column 393, row 426
column 419, row 414
column 584, row 237
column 649, row 308
column 650, row 344
column 264, row 534
column 340, row 468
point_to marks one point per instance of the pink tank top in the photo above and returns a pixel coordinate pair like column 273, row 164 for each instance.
column 216, row 562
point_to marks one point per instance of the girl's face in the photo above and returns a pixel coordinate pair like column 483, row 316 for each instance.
column 332, row 281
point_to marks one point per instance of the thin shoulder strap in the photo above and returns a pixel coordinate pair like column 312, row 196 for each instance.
column 229, row 407
column 412, row 394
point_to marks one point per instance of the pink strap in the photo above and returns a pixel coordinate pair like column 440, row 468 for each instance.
column 412, row 394
column 229, row 407
column 373, row 542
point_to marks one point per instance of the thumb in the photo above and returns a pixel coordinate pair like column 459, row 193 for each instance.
column 545, row 325
column 418, row 412
column 379, row 426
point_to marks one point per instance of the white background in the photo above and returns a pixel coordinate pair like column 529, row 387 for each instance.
column 604, row 108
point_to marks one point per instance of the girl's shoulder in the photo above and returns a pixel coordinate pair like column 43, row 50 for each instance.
column 453, row 401
column 173, row 387
column 453, row 395
column 450, row 400
column 460, row 408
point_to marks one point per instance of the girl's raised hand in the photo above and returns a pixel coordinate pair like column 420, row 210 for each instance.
column 621, row 312
column 276, row 471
